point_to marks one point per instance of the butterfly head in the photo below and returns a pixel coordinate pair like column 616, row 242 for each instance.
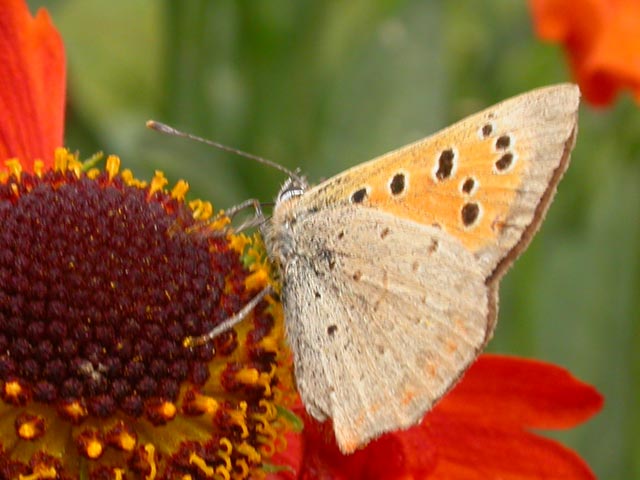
column 278, row 232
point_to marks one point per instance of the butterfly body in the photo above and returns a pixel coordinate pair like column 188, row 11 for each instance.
column 390, row 270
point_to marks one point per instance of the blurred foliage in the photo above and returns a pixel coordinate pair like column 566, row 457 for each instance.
column 325, row 85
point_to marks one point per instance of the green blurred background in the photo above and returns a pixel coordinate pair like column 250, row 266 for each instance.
column 326, row 85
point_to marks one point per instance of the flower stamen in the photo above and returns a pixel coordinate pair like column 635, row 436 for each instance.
column 40, row 473
column 30, row 427
column 201, row 464
column 113, row 166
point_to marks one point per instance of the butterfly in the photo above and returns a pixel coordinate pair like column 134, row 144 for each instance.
column 390, row 270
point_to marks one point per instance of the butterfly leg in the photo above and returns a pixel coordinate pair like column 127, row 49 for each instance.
column 252, row 202
column 229, row 323
column 257, row 219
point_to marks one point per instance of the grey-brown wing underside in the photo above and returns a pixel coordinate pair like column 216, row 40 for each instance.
column 383, row 315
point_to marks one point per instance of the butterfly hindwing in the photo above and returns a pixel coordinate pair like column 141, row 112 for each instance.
column 383, row 314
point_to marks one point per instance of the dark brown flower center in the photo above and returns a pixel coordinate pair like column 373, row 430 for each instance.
column 100, row 283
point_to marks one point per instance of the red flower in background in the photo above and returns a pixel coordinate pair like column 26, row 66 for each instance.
column 480, row 430
column 602, row 41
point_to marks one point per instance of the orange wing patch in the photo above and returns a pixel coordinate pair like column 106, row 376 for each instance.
column 474, row 179
column 454, row 180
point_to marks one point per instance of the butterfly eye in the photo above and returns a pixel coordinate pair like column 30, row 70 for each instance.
column 289, row 190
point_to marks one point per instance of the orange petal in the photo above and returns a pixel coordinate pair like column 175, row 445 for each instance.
column 601, row 41
column 501, row 390
column 614, row 61
column 467, row 451
column 32, row 84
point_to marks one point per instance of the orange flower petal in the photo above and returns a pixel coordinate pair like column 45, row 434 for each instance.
column 32, row 84
column 474, row 452
column 601, row 40
column 614, row 62
column 500, row 390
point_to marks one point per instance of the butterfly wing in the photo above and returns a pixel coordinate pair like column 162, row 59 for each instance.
column 383, row 316
column 391, row 268
column 487, row 180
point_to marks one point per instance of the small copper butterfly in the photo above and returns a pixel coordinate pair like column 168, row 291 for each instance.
column 390, row 270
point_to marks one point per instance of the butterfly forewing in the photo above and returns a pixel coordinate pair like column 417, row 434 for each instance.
column 487, row 180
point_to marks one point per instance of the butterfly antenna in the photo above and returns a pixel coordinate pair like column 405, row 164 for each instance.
column 164, row 128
